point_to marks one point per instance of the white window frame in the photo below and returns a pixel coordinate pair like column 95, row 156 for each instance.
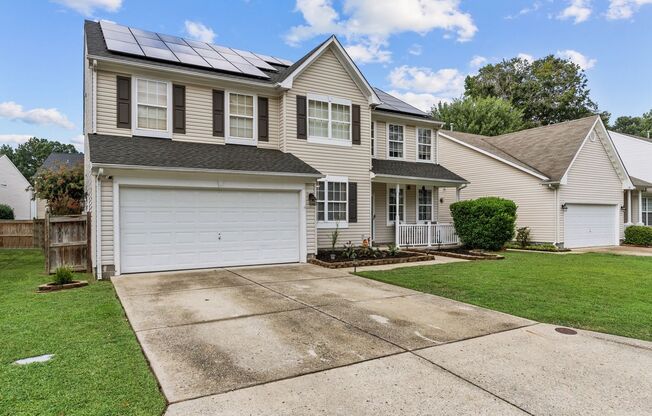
column 404, row 138
column 432, row 144
column 648, row 210
column 387, row 205
column 135, row 130
column 228, row 139
column 374, row 140
column 432, row 204
column 330, row 140
column 333, row 224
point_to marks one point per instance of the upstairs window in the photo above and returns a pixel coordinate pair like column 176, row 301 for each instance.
column 373, row 138
column 332, row 200
column 424, row 205
column 424, row 144
column 241, row 118
column 329, row 120
column 395, row 141
column 152, row 108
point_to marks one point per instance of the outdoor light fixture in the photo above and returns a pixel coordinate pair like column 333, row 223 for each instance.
column 312, row 200
column 423, row 188
column 564, row 206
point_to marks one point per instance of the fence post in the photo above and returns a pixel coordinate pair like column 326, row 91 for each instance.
column 46, row 242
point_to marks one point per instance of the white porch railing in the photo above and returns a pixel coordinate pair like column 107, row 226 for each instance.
column 426, row 234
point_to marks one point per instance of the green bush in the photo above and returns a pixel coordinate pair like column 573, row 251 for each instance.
column 523, row 236
column 639, row 235
column 6, row 212
column 63, row 275
column 484, row 223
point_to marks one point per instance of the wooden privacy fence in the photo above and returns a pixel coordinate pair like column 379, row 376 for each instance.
column 67, row 242
column 17, row 234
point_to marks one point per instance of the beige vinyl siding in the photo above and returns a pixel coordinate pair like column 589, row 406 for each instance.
column 409, row 137
column 327, row 76
column 490, row 177
column 634, row 208
column 106, row 105
column 386, row 233
column 107, row 221
column 592, row 179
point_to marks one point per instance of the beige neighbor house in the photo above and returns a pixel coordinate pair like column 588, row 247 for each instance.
column 636, row 154
column 567, row 179
column 201, row 155
column 15, row 190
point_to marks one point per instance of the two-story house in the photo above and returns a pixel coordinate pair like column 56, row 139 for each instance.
column 200, row 155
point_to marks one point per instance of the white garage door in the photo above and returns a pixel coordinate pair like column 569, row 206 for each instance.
column 174, row 229
column 590, row 225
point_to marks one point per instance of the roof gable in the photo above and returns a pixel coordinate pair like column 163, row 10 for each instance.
column 9, row 165
column 636, row 154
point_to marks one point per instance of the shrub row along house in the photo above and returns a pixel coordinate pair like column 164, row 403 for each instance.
column 200, row 155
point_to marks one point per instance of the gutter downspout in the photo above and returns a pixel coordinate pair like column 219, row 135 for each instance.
column 556, row 211
column 94, row 97
column 98, row 224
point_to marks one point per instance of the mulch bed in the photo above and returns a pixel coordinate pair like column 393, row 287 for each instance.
column 53, row 287
column 401, row 257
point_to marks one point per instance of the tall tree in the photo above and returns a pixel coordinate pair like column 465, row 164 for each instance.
column 488, row 116
column 548, row 90
column 638, row 126
column 29, row 156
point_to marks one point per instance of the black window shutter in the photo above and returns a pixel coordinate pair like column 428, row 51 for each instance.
column 123, row 105
column 263, row 119
column 218, row 113
column 355, row 118
column 353, row 202
column 179, row 109
column 302, row 117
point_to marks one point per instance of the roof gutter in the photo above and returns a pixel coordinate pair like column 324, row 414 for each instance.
column 390, row 114
column 201, row 170
column 378, row 177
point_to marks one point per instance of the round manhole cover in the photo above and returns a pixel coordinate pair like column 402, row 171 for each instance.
column 566, row 331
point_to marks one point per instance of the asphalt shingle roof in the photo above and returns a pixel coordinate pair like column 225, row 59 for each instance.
column 144, row 151
column 405, row 169
column 56, row 160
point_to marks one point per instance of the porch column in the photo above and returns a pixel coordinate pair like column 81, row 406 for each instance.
column 397, row 220
column 629, row 207
column 640, row 208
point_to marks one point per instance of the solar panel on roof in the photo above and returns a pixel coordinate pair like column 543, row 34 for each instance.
column 197, row 44
column 209, row 53
column 220, row 48
column 192, row 59
column 172, row 39
column 123, row 36
column 159, row 53
column 222, row 65
column 269, row 59
column 154, row 43
column 284, row 61
column 250, row 69
column 112, row 26
column 144, row 34
column 125, row 47
column 174, row 47
column 260, row 64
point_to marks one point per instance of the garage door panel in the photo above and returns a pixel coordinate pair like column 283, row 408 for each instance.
column 172, row 229
column 588, row 225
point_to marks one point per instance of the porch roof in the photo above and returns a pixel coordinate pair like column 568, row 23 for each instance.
column 640, row 183
column 421, row 171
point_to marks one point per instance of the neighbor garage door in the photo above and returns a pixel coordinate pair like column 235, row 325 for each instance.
column 174, row 229
column 590, row 225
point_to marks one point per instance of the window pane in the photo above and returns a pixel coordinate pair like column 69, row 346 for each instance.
column 425, row 205
column 317, row 128
column 341, row 130
column 395, row 141
column 318, row 109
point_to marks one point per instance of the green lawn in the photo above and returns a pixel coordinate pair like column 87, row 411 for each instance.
column 98, row 367
column 600, row 292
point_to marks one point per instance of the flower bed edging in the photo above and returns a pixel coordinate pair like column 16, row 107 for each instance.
column 374, row 262
column 444, row 253
column 52, row 287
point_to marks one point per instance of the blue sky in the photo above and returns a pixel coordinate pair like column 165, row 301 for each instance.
column 420, row 50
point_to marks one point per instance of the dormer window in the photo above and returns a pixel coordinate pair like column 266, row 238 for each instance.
column 153, row 107
column 329, row 120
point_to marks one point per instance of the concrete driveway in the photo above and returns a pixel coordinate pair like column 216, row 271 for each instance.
column 300, row 339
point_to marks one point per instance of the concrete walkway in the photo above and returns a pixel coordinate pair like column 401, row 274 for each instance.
column 303, row 340
column 622, row 250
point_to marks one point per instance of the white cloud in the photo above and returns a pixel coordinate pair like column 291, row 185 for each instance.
column 526, row 57
column 422, row 101
column 478, row 61
column 526, row 10
column 371, row 23
column 14, row 139
column 369, row 52
column 88, row 7
column 624, row 9
column 199, row 31
column 13, row 111
column 415, row 49
column 578, row 10
column 575, row 57
column 444, row 82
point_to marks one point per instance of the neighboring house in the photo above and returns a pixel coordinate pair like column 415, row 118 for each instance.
column 636, row 153
column 15, row 190
column 201, row 156
column 54, row 161
column 567, row 179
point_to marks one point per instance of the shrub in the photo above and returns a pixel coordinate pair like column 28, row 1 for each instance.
column 63, row 275
column 484, row 223
column 335, row 235
column 523, row 236
column 6, row 212
column 393, row 250
column 639, row 235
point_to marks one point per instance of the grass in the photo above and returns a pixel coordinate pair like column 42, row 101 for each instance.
column 599, row 292
column 98, row 367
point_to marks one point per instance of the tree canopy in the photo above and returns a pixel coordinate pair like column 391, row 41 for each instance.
column 637, row 126
column 548, row 90
column 489, row 116
column 62, row 187
column 29, row 156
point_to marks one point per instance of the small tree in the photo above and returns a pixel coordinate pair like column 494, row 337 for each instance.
column 6, row 212
column 62, row 188
column 489, row 116
column 484, row 223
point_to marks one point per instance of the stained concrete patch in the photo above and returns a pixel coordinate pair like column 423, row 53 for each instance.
column 192, row 306
column 31, row 360
column 286, row 273
column 397, row 385
column 422, row 320
column 329, row 291
column 546, row 372
column 202, row 359
column 145, row 283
